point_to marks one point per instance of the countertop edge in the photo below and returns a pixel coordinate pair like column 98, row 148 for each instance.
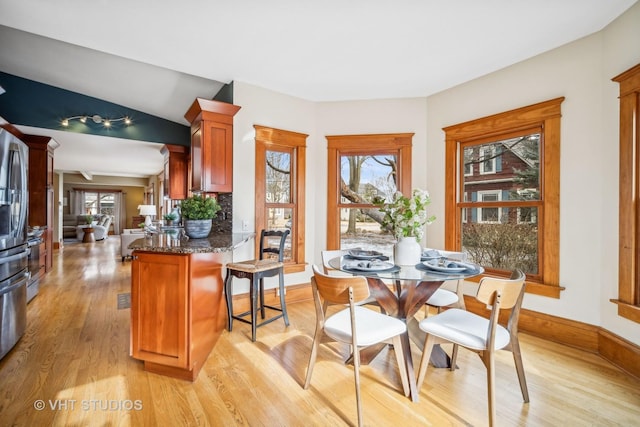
column 160, row 243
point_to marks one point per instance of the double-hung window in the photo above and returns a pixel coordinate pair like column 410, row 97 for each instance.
column 280, row 181
column 502, row 203
column 361, row 169
column 628, row 300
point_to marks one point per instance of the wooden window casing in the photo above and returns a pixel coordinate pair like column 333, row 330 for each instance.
column 339, row 145
column 629, row 211
column 295, row 144
column 545, row 115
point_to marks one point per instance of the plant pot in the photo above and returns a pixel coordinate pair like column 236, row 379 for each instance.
column 407, row 251
column 197, row 228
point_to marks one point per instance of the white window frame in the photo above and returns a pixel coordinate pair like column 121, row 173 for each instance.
column 490, row 153
column 482, row 193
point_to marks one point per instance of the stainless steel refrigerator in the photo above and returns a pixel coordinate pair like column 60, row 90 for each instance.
column 14, row 250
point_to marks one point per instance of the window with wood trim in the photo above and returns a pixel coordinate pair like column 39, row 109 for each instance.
column 502, row 196
column 361, row 167
column 629, row 214
column 280, row 182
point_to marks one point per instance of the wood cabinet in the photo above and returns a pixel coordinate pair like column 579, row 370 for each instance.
column 136, row 221
column 177, row 310
column 175, row 171
column 211, row 145
column 41, row 149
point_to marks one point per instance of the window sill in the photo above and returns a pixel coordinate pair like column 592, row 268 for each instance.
column 294, row 268
column 551, row 291
column 628, row 311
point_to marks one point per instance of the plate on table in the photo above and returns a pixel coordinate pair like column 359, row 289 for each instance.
column 429, row 254
column 447, row 267
column 369, row 266
column 362, row 254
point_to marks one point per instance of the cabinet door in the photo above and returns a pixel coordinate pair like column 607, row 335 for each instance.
column 159, row 324
column 196, row 157
column 217, row 157
column 175, row 172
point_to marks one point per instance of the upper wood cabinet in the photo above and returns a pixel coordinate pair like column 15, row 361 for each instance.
column 211, row 145
column 175, row 171
column 41, row 188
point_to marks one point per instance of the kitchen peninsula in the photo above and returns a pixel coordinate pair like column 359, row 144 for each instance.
column 177, row 300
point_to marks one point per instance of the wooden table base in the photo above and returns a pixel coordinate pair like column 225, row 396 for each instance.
column 88, row 235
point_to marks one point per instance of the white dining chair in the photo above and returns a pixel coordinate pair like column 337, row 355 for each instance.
column 328, row 255
column 355, row 325
column 479, row 334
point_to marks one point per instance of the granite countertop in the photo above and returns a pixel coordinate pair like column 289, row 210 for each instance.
column 167, row 244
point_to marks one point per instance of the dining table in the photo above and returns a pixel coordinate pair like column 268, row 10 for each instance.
column 401, row 291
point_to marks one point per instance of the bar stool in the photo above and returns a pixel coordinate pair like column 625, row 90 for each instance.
column 266, row 265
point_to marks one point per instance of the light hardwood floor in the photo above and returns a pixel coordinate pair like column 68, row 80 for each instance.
column 74, row 359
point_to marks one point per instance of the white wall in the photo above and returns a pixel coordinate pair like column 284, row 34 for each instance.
column 367, row 117
column 268, row 108
column 581, row 72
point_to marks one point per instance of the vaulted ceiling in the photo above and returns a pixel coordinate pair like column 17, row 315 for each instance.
column 157, row 56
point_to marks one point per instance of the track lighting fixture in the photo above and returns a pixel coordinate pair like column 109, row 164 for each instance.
column 96, row 118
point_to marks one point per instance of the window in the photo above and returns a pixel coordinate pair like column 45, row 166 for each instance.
column 99, row 203
column 487, row 160
column 502, row 205
column 361, row 168
column 629, row 212
column 280, row 181
column 489, row 215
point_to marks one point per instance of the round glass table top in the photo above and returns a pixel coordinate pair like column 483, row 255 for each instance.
column 421, row 272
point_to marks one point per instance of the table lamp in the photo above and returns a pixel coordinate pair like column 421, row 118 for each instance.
column 149, row 211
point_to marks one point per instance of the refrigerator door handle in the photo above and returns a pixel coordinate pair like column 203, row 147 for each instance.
column 16, row 256
column 25, row 277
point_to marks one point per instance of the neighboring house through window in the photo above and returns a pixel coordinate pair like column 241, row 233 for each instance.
column 504, row 210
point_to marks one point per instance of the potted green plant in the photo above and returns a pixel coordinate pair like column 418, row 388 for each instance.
column 197, row 213
column 89, row 219
column 170, row 218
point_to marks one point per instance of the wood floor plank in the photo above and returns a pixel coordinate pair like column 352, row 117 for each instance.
column 76, row 349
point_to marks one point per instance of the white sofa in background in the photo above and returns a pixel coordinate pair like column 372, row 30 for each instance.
column 129, row 235
column 100, row 228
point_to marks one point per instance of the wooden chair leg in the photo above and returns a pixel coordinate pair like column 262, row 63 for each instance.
column 397, row 348
column 356, row 374
column 283, row 302
column 454, row 357
column 262, row 309
column 229, row 299
column 424, row 361
column 254, row 308
column 490, row 364
column 312, row 358
column 517, row 359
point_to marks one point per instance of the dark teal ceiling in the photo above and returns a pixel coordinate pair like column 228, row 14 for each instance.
column 30, row 103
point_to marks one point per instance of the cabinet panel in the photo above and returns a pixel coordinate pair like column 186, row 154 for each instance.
column 196, row 157
column 175, row 172
column 177, row 310
column 211, row 145
column 40, row 184
column 217, row 158
column 159, row 309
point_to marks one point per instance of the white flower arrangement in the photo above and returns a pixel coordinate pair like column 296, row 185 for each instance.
column 406, row 216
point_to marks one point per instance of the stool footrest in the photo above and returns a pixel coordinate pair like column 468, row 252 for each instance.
column 264, row 322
